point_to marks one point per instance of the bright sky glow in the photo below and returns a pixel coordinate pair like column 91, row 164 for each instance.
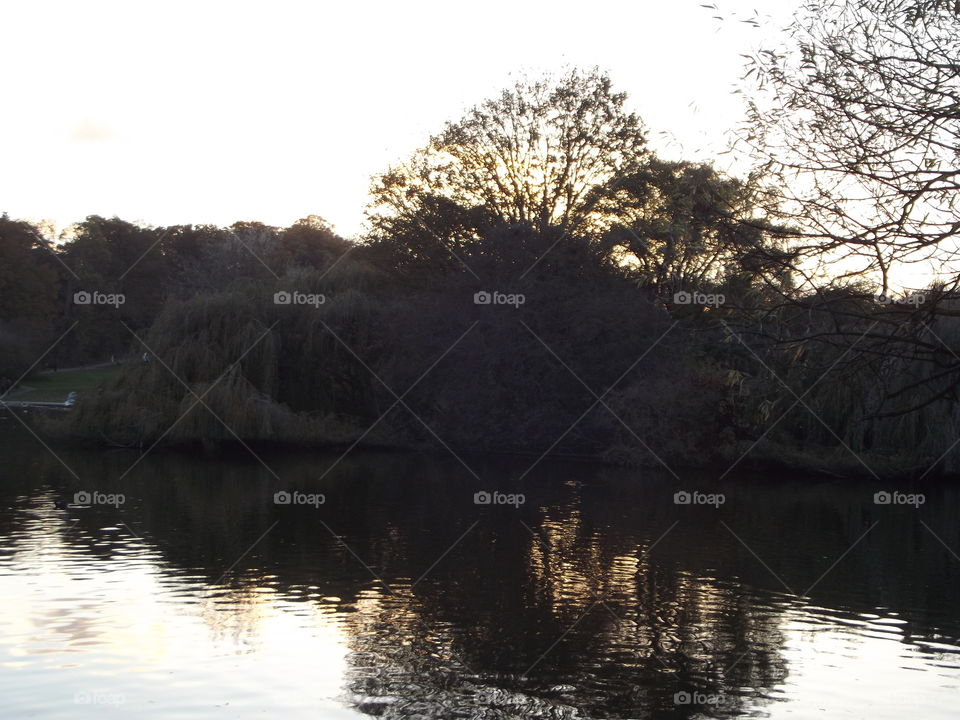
column 179, row 112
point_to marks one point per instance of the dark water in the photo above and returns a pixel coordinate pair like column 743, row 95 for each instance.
column 399, row 597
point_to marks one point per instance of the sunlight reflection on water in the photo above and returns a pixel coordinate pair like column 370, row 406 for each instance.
column 568, row 613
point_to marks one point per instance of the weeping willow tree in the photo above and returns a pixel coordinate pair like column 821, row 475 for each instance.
column 329, row 362
column 846, row 382
column 238, row 365
column 854, row 126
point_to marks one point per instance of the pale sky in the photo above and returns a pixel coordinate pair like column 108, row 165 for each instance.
column 213, row 112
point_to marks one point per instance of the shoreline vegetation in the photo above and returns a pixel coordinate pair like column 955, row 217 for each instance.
column 185, row 397
column 827, row 462
column 534, row 280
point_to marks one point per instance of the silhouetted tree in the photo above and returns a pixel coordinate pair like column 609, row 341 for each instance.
column 541, row 154
column 681, row 226
column 857, row 128
column 28, row 293
column 855, row 125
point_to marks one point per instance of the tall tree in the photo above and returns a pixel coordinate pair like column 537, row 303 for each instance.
column 540, row 155
column 855, row 124
column 682, row 225
column 28, row 285
column 28, row 293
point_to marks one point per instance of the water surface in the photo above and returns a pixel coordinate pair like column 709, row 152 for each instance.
column 199, row 596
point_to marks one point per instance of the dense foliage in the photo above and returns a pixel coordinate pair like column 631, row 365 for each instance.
column 534, row 280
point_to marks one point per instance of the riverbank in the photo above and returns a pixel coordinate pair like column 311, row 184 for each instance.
column 56, row 385
column 285, row 429
column 772, row 460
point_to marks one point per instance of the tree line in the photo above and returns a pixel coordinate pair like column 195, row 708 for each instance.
column 535, row 279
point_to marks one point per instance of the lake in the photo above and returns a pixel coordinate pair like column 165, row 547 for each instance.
column 400, row 585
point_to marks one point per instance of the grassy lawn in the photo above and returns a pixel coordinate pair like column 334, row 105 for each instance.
column 54, row 387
